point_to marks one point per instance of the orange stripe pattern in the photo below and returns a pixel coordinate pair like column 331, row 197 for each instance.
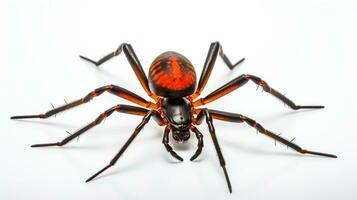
column 172, row 71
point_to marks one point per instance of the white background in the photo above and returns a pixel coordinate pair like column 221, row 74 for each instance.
column 304, row 48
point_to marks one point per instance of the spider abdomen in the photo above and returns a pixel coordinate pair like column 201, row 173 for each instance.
column 172, row 75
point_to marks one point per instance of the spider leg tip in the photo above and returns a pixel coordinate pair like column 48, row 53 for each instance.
column 89, row 60
column 83, row 57
column 37, row 145
column 329, row 155
column 20, row 117
column 47, row 144
column 179, row 158
column 309, row 107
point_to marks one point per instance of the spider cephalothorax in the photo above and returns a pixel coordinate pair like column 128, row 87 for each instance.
column 172, row 80
column 178, row 111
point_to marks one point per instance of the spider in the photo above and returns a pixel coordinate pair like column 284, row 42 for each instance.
column 172, row 86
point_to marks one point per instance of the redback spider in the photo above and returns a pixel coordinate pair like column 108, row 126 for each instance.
column 172, row 80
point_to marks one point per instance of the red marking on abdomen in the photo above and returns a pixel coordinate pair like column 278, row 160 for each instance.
column 176, row 76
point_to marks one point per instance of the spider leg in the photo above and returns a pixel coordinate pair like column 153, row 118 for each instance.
column 214, row 50
column 145, row 120
column 165, row 141
column 119, row 108
column 232, row 117
column 199, row 118
column 199, row 137
column 133, row 61
column 242, row 80
column 113, row 89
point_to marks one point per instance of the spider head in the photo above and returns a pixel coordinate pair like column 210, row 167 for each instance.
column 181, row 135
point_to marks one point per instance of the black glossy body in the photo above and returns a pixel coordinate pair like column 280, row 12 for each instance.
column 173, row 81
column 178, row 112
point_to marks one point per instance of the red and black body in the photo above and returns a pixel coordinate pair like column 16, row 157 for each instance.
column 172, row 75
column 172, row 86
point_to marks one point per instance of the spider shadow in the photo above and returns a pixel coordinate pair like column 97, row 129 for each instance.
column 181, row 146
column 112, row 76
column 47, row 123
column 139, row 162
column 85, row 147
column 260, row 152
column 287, row 114
column 142, row 162
column 106, row 73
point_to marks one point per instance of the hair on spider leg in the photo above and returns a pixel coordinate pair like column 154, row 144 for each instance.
column 171, row 83
column 258, row 86
column 275, row 139
column 53, row 108
column 65, row 101
column 290, row 141
column 285, row 97
column 71, row 134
